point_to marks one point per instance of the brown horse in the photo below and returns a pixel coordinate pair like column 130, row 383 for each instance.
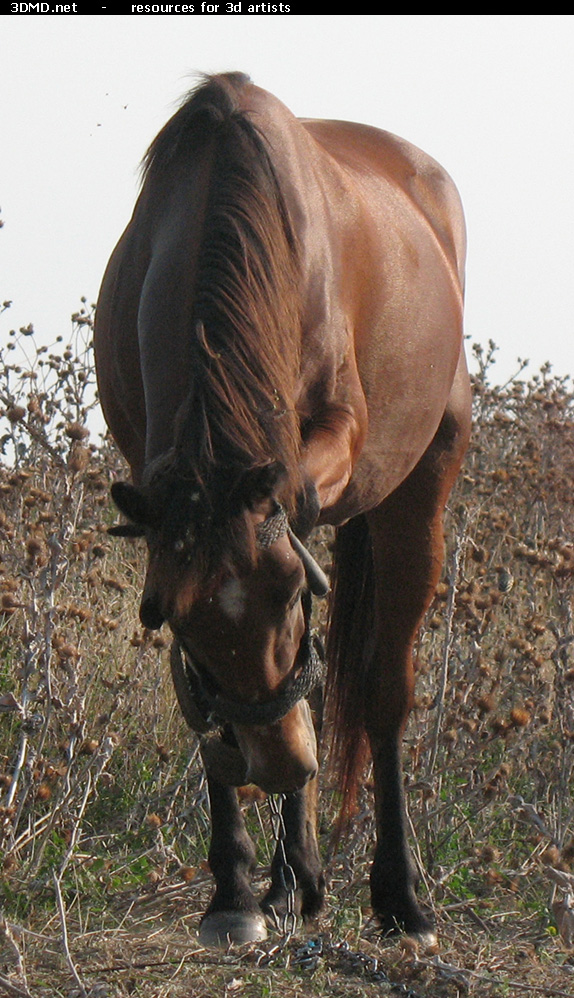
column 279, row 345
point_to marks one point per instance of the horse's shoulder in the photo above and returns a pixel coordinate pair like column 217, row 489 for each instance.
column 363, row 150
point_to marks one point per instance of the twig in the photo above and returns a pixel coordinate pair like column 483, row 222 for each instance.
column 13, row 990
column 65, row 945
column 18, row 766
column 448, row 641
column 462, row 974
column 6, row 929
column 77, row 824
column 36, row 435
column 30, row 834
column 181, row 782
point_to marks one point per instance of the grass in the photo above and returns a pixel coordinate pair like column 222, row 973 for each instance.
column 103, row 810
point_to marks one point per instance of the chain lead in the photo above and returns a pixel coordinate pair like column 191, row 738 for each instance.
column 309, row 955
column 289, row 922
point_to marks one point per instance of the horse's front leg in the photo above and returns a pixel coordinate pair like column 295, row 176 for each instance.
column 234, row 915
column 297, row 846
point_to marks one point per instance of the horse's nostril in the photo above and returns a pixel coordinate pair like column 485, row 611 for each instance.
column 150, row 614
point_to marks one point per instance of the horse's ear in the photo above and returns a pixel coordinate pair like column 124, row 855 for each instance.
column 133, row 504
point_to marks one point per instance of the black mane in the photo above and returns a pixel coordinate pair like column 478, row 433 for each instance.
column 245, row 322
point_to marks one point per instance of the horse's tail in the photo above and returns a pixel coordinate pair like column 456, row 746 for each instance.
column 351, row 630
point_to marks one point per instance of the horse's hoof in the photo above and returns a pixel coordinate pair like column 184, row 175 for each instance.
column 224, row 928
column 423, row 942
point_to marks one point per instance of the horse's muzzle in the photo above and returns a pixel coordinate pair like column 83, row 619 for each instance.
column 282, row 757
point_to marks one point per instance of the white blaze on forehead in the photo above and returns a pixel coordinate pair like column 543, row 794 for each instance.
column 233, row 599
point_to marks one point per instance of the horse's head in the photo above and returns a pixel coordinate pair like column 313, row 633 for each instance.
column 233, row 582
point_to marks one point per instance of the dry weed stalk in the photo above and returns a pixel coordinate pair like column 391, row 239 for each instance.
column 503, row 724
column 44, row 507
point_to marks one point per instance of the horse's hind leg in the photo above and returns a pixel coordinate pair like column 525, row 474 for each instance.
column 407, row 544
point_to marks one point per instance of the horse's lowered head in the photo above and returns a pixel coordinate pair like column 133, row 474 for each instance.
column 232, row 580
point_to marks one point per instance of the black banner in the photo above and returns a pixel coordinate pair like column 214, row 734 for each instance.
column 192, row 9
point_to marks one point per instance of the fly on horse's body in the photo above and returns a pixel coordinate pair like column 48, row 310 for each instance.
column 279, row 345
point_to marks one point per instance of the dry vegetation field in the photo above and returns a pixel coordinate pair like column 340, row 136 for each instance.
column 103, row 814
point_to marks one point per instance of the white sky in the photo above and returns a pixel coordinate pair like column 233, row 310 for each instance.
column 489, row 96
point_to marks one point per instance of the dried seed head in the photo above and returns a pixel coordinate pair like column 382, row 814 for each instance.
column 550, row 856
column 519, row 717
column 79, row 458
column 15, row 413
column 477, row 553
column 75, row 431
column 486, row 703
column 488, row 854
column 188, row 873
